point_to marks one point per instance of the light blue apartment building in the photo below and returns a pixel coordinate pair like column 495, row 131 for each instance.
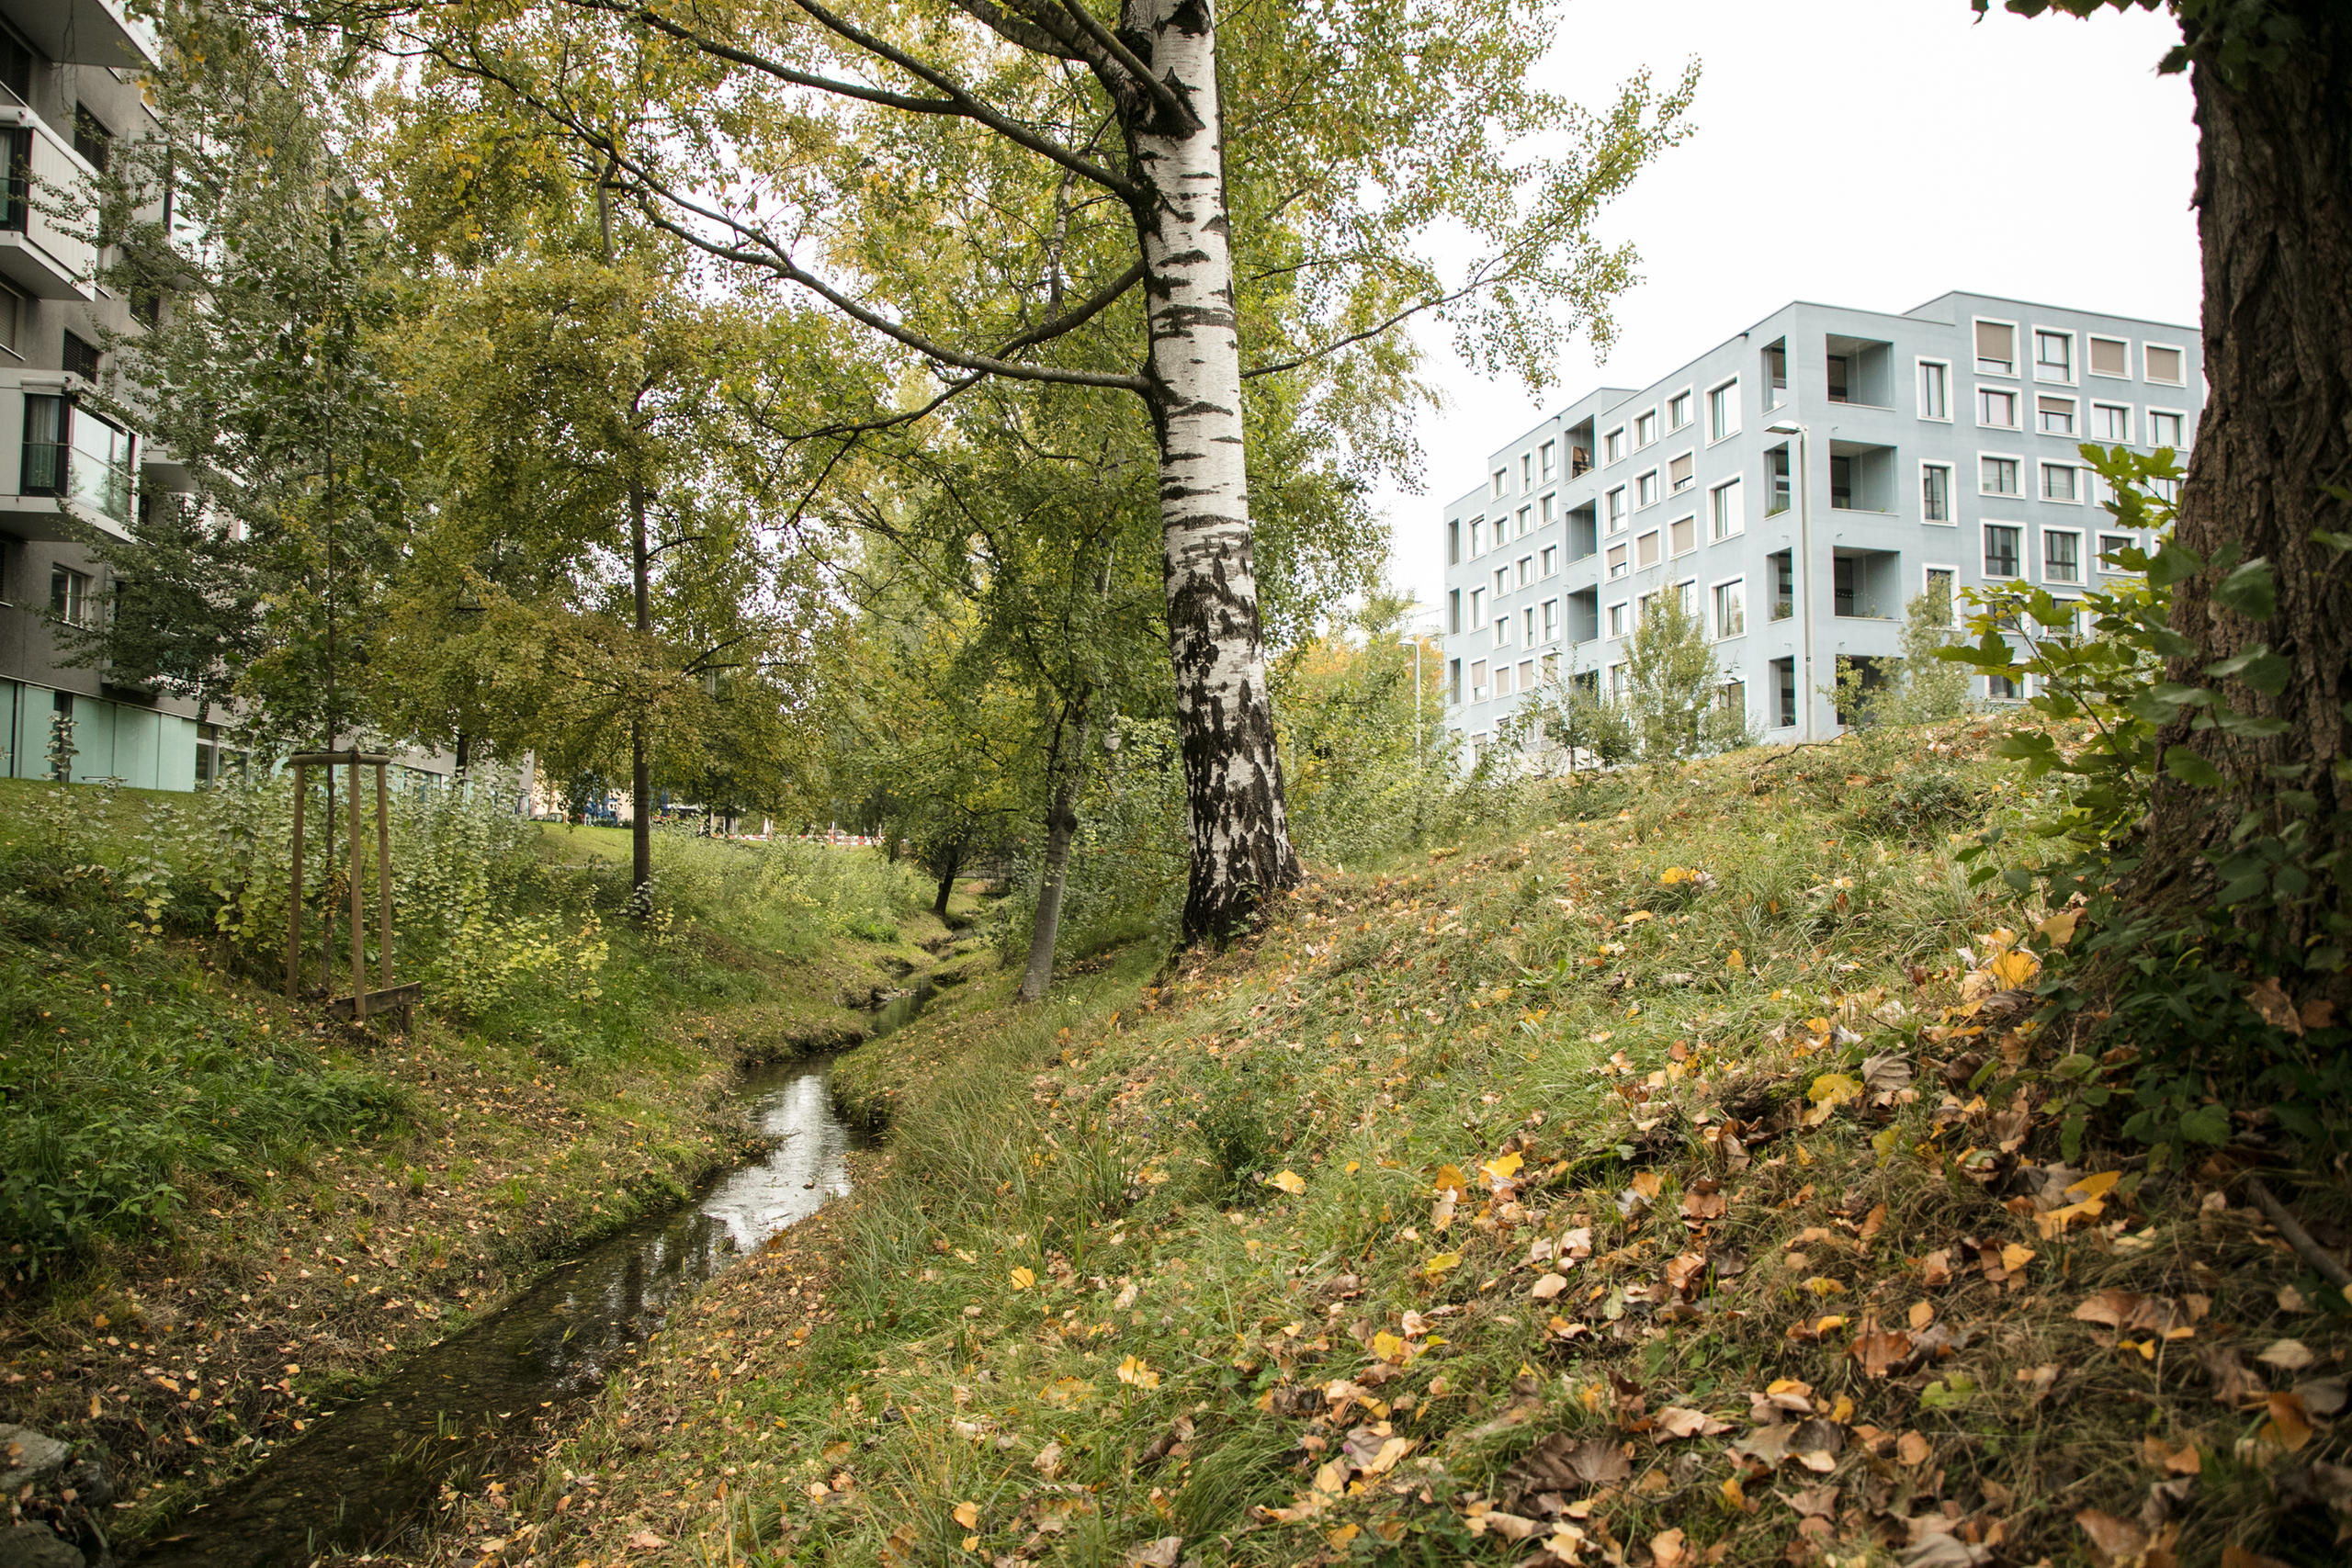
column 1798, row 485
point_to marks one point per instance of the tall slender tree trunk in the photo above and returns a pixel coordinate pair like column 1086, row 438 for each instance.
column 2274, row 203
column 1065, row 770
column 952, row 862
column 640, row 767
column 1233, row 781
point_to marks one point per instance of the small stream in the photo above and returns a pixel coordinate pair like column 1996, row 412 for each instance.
column 364, row 1476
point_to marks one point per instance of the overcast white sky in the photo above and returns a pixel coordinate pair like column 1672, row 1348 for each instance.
column 1865, row 152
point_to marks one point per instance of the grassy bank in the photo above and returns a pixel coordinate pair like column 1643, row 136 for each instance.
column 225, row 1212
column 1616, row 1184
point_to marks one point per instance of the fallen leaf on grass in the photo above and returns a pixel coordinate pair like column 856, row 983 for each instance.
column 1936, row 1267
column 2126, row 1310
column 2287, row 1355
column 1682, row 1271
column 1440, row 1265
column 2277, row 1008
column 2288, row 1427
column 1666, row 1550
column 2233, row 1382
column 1681, row 1421
column 2321, row 1396
column 2038, row 1378
column 2120, row 1543
column 1560, row 1461
column 1160, row 1553
column 1547, row 1287
column 1289, row 1181
column 1912, row 1449
column 2160, row 1455
column 1023, row 1277
column 969, row 1515
column 1510, row 1527
column 1881, row 1350
column 646, row 1540
column 1049, row 1463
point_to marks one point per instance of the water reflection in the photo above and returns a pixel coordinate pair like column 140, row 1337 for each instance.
column 361, row 1473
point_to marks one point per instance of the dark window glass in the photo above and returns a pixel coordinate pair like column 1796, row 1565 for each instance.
column 44, row 462
column 92, row 139
column 81, row 357
column 15, row 67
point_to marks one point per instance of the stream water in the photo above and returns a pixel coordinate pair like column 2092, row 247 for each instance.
column 365, row 1475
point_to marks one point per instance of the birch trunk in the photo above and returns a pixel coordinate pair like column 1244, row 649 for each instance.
column 1233, row 785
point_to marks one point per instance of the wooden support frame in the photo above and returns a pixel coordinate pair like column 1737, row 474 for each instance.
column 363, row 999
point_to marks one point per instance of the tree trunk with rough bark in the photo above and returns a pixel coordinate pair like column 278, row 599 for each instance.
column 640, row 766
column 1064, row 772
column 950, row 861
column 2274, row 201
column 1233, row 785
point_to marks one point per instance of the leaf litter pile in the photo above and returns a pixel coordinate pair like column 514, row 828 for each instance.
column 1664, row 1179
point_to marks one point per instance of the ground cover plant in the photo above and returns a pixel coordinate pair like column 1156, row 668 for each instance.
column 1669, row 1169
column 219, row 1214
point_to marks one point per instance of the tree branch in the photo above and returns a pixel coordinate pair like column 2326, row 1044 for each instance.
column 1434, row 302
column 1161, row 92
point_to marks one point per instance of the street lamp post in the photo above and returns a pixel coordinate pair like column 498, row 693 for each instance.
column 1805, row 562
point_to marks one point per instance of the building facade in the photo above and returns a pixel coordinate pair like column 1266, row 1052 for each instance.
column 1798, row 485
column 70, row 95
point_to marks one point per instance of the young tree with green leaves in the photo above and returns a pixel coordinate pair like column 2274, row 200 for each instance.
column 1166, row 203
column 1674, row 689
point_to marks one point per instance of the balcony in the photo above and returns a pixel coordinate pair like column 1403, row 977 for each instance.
column 1866, row 584
column 74, row 469
column 1861, row 477
column 1584, row 614
column 39, row 252
column 84, row 32
column 1860, row 371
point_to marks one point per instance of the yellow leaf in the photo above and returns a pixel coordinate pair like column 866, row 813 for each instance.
column 1289, row 1181
column 1501, row 1169
column 969, row 1515
column 2014, row 968
column 1737, row 960
column 1637, row 917
column 2094, row 1186
column 1449, row 1179
column 971, row 1543
column 1023, row 1277
column 1673, row 874
column 1833, row 1089
column 2013, row 1258
column 1341, row 1537
column 1354, row 1165
column 2059, row 929
column 1387, row 1345
column 1820, row 1286
column 1441, row 1265
column 1133, row 1370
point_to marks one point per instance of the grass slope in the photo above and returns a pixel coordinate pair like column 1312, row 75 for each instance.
column 1616, row 1188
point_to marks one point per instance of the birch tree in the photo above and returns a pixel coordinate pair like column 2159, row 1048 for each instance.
column 1174, row 204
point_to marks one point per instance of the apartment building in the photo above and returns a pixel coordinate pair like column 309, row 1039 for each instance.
column 1797, row 485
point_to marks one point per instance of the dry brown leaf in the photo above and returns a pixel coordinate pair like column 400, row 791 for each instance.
column 2115, row 1543
column 1666, row 1548
column 1683, row 1270
column 1681, row 1421
column 2287, row 1355
column 1547, row 1287
column 1699, row 1205
column 2039, row 1378
column 2321, row 1396
column 1881, row 1350
column 1874, row 1223
column 1160, row 1553
column 2288, row 1425
column 1912, row 1449
column 1936, row 1267
column 2318, row 1013
column 2276, row 1010
column 2233, row 1382
column 1922, row 1313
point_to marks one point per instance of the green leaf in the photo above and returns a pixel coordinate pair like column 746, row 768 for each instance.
column 2189, row 768
column 2206, row 1124
column 2257, row 667
column 2251, row 589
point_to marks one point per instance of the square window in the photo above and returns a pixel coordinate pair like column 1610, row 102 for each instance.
column 2002, row 689
column 2053, row 416
column 2169, row 365
column 2061, row 482
column 1678, row 411
column 2111, row 422
column 1725, row 517
column 2110, row 357
column 1996, row 407
column 2054, row 355
column 1644, row 429
column 2000, row 550
column 1996, row 348
column 1723, row 410
column 1997, row 475
column 1935, row 389
column 1935, row 493
column 69, row 595
column 2062, row 556
column 2165, row 430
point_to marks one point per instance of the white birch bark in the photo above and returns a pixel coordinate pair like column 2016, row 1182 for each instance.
column 1241, row 845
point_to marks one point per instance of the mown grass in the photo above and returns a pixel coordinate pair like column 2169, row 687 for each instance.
column 1174, row 1256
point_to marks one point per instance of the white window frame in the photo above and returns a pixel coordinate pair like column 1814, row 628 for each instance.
column 2016, row 347
column 1613, row 447
column 1647, row 478
column 1615, row 509
column 1527, row 627
column 1951, row 493
column 1717, row 512
column 1643, row 443
column 1657, row 533
column 1689, row 458
column 2074, row 373
column 1689, row 399
column 2089, row 338
column 2082, row 567
column 1714, row 621
column 1501, row 481
column 1613, row 618
column 1688, row 592
column 1926, row 581
column 1478, row 681
column 1545, row 512
column 2074, row 413
column 2180, row 414
column 2016, row 397
column 1477, row 609
column 1548, row 561
column 2156, row 381
column 1730, row 386
column 2099, row 559
column 2130, row 423
column 2025, row 542
column 1692, row 518
column 1618, row 560
column 1502, row 630
column 1526, row 521
column 1526, row 570
column 1919, row 386
column 1552, row 622
column 1548, row 463
column 2018, row 494
column 2041, row 472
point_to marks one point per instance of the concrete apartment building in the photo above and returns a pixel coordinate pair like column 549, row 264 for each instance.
column 69, row 94
column 1799, row 484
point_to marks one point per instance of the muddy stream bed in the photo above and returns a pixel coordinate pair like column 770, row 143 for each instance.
column 366, row 1476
